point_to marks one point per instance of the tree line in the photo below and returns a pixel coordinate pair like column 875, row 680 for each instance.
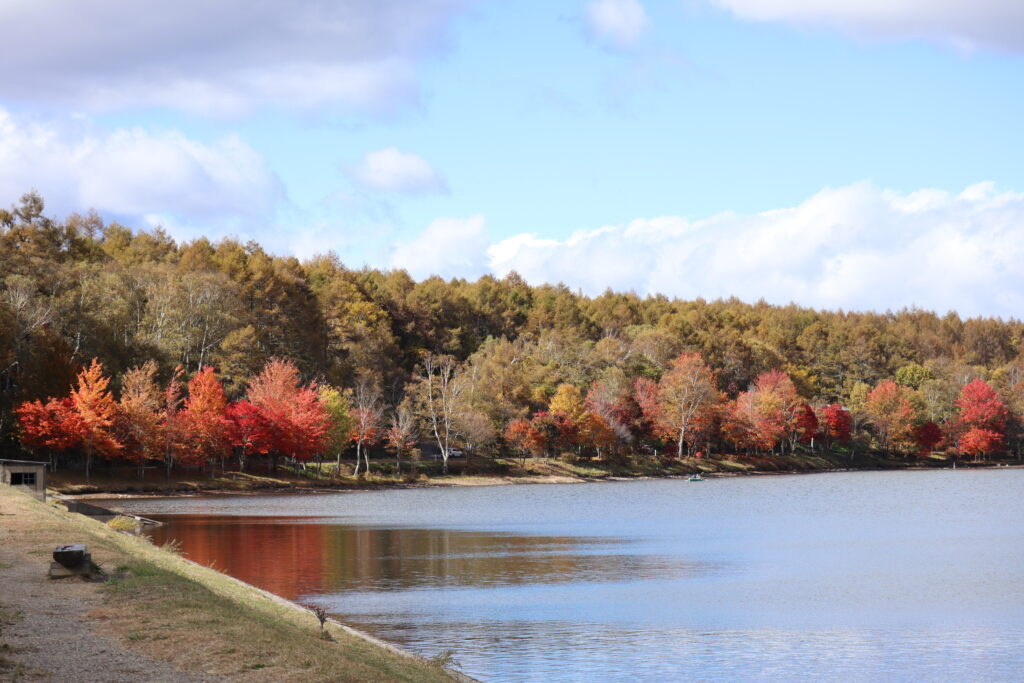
column 490, row 366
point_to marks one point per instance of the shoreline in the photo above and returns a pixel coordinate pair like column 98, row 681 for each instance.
column 473, row 481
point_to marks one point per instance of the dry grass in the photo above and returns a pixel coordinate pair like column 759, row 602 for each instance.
column 197, row 618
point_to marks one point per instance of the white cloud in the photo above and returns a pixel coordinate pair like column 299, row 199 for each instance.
column 148, row 178
column 855, row 247
column 391, row 170
column 965, row 24
column 617, row 23
column 222, row 57
column 449, row 247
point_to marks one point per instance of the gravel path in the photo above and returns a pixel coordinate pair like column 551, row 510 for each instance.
column 54, row 638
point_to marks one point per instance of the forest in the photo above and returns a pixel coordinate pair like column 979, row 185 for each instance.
column 123, row 344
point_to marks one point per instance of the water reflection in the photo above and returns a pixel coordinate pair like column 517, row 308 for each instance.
column 497, row 650
column 297, row 557
column 859, row 576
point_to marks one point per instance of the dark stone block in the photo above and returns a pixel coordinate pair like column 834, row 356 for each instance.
column 69, row 555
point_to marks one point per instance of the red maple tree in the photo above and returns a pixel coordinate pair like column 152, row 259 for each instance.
column 292, row 421
column 928, row 435
column 806, row 423
column 204, row 419
column 246, row 430
column 54, row 425
column 983, row 417
column 836, row 424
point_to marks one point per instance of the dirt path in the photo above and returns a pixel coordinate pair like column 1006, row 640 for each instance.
column 160, row 617
column 49, row 630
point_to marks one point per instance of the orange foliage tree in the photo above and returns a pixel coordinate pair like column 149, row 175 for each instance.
column 53, row 426
column 97, row 411
column 172, row 433
column 892, row 416
column 522, row 435
column 139, row 419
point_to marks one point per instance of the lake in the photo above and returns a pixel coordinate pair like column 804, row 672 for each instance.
column 856, row 576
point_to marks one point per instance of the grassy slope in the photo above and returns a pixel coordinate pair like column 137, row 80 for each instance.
column 197, row 618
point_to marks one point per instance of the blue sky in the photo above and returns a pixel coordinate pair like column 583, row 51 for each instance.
column 836, row 153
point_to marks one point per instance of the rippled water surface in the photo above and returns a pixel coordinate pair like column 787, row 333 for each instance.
column 858, row 576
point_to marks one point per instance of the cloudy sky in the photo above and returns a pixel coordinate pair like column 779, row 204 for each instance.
column 847, row 154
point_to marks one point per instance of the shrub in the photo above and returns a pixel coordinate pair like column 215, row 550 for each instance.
column 569, row 458
column 123, row 523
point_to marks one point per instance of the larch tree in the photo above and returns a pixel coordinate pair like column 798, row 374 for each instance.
column 568, row 401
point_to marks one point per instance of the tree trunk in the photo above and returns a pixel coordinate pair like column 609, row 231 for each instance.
column 359, row 452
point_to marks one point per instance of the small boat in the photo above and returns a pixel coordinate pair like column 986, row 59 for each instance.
column 696, row 477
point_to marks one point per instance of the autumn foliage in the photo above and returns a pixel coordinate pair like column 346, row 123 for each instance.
column 289, row 417
column 684, row 411
column 616, row 374
column 983, row 418
column 199, row 427
column 54, row 425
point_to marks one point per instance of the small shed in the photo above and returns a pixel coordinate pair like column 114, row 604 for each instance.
column 28, row 475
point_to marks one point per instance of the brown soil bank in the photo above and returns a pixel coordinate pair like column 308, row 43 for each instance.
column 159, row 617
column 483, row 471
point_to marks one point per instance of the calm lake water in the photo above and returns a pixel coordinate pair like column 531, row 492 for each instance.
column 854, row 576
